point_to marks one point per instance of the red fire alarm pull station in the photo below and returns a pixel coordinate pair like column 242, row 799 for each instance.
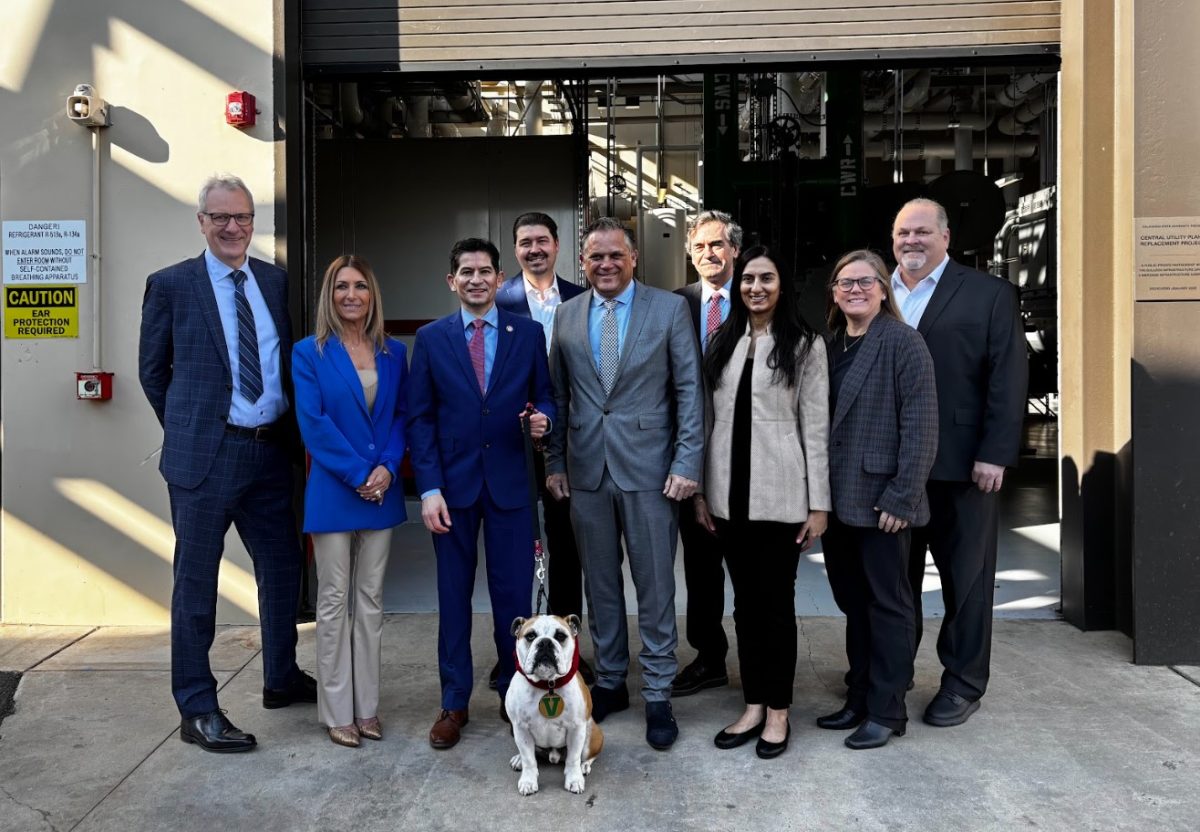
column 95, row 386
column 239, row 109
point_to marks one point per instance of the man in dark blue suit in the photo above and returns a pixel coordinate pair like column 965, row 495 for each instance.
column 213, row 361
column 473, row 372
column 536, row 293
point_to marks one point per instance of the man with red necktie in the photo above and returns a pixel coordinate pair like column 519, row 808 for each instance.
column 472, row 374
column 714, row 241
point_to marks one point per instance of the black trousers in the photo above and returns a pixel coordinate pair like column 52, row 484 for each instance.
column 705, row 582
column 962, row 534
column 868, row 572
column 762, row 558
column 564, row 575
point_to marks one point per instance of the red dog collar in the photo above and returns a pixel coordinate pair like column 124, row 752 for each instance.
column 543, row 685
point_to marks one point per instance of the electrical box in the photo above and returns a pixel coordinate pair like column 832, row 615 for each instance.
column 239, row 109
column 94, row 386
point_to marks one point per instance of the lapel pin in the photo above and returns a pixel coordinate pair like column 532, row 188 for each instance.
column 508, row 328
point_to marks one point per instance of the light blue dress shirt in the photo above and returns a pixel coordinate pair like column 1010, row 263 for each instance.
column 624, row 305
column 273, row 403
column 912, row 304
column 706, row 293
column 490, row 334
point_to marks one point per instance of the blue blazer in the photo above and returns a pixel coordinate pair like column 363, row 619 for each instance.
column 345, row 441
column 183, row 364
column 511, row 296
column 461, row 439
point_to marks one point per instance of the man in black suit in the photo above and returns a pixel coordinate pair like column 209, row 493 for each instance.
column 536, row 293
column 714, row 241
column 972, row 324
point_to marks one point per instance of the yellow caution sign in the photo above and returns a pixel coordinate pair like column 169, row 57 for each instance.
column 41, row 312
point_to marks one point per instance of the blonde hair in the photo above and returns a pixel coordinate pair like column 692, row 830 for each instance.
column 834, row 317
column 329, row 323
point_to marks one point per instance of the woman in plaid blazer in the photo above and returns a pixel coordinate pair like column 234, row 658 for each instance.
column 883, row 439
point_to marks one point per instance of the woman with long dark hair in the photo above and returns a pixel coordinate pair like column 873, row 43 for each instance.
column 766, row 479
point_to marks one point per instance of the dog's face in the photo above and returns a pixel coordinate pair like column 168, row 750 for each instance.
column 546, row 645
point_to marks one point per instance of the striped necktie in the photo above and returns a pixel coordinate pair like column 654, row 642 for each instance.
column 249, row 366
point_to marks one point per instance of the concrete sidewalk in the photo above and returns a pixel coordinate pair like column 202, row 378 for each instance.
column 1070, row 737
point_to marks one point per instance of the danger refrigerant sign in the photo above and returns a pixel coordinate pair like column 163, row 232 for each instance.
column 41, row 312
column 45, row 251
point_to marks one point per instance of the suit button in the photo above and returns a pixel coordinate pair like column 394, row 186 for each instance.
column 607, row 411
column 837, row 444
column 487, row 444
column 228, row 386
column 370, row 447
column 486, row 411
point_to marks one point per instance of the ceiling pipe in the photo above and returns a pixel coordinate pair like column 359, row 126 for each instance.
column 880, row 122
column 1023, row 148
column 1019, row 88
column 1022, row 120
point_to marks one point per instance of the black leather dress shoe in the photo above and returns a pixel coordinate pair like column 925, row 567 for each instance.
column 726, row 740
column 871, row 735
column 303, row 688
column 661, row 728
column 767, row 749
column 842, row 720
column 607, row 701
column 699, row 676
column 213, row 732
column 948, row 709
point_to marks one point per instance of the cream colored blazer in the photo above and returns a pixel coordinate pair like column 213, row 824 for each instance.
column 789, row 437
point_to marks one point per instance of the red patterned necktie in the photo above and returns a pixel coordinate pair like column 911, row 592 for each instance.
column 714, row 316
column 475, row 348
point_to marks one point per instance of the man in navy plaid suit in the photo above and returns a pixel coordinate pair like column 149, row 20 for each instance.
column 213, row 359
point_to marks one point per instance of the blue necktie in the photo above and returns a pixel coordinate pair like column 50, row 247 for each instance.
column 249, row 367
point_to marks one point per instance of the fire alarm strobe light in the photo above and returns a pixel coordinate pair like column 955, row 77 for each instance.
column 94, row 386
column 239, row 109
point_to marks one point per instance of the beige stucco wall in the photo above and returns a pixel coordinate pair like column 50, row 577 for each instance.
column 86, row 535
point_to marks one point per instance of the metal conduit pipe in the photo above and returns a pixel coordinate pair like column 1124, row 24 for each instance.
column 532, row 121
column 1019, row 88
column 881, row 122
column 1021, row 120
column 916, row 96
column 1023, row 148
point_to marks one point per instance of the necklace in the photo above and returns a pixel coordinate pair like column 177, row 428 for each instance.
column 847, row 345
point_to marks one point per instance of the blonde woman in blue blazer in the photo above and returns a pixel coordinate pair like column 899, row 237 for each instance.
column 350, row 383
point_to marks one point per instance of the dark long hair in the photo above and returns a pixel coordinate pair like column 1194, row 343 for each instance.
column 793, row 336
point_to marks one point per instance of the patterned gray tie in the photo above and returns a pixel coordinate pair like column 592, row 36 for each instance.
column 249, row 367
column 610, row 346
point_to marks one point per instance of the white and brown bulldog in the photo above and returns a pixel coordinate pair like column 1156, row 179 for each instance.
column 549, row 705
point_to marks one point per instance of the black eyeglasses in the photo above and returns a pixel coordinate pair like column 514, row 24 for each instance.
column 848, row 283
column 223, row 219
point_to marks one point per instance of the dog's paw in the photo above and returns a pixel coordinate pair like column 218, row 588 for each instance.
column 574, row 784
column 554, row 756
column 527, row 785
column 586, row 767
column 515, row 762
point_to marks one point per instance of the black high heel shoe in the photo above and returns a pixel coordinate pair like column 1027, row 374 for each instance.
column 767, row 750
column 726, row 740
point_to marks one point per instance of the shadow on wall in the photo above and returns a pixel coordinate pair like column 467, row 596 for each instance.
column 133, row 132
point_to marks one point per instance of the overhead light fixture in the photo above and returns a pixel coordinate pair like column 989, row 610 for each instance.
column 1009, row 179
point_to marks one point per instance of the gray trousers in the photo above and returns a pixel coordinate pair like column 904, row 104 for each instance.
column 649, row 523
column 350, row 568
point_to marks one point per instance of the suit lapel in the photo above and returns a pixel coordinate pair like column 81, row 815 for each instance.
column 457, row 338
column 515, row 294
column 206, row 297
column 383, row 366
column 852, row 385
column 638, row 312
column 345, row 367
column 948, row 284
column 504, row 339
column 693, row 294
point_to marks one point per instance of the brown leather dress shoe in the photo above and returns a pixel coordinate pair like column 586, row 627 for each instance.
column 371, row 728
column 346, row 735
column 447, row 730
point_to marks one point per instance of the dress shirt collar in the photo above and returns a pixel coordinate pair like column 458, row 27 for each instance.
column 492, row 317
column 623, row 299
column 219, row 271
column 707, row 291
column 534, row 292
column 933, row 277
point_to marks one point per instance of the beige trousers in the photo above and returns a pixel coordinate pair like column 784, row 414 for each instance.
column 350, row 568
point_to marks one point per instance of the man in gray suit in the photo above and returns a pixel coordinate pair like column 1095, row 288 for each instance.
column 626, row 373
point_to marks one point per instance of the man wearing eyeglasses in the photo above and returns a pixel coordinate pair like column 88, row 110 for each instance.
column 972, row 325
column 214, row 362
